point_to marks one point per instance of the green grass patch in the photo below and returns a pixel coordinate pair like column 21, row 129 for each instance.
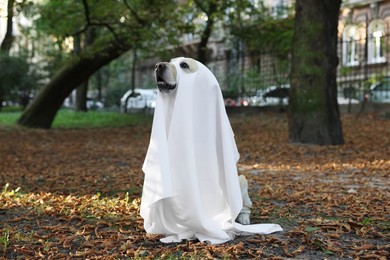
column 90, row 119
column 11, row 109
column 9, row 118
column 94, row 119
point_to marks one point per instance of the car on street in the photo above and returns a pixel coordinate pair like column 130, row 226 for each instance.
column 139, row 99
column 278, row 95
column 274, row 95
column 379, row 92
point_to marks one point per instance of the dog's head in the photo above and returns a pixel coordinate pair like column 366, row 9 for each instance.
column 166, row 72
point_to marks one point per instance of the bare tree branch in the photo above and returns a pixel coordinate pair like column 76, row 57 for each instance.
column 86, row 11
column 90, row 23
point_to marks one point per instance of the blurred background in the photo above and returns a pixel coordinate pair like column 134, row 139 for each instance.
column 246, row 43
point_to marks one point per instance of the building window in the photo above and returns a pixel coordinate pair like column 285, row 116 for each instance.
column 376, row 42
column 350, row 46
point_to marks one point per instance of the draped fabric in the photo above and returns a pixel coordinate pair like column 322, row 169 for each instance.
column 191, row 188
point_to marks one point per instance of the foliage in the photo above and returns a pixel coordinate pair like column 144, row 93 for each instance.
column 255, row 30
column 261, row 31
column 80, row 192
column 72, row 119
column 232, row 93
column 18, row 78
column 138, row 23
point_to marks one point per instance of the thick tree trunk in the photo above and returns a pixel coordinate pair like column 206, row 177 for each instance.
column 314, row 115
column 41, row 112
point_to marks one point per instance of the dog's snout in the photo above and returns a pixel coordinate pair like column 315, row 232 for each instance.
column 165, row 74
column 160, row 66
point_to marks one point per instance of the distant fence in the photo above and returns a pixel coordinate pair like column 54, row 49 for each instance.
column 358, row 69
column 247, row 73
column 363, row 63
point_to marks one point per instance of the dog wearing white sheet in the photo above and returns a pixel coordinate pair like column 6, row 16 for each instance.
column 191, row 187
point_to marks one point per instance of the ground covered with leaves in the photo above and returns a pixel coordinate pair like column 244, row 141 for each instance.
column 69, row 193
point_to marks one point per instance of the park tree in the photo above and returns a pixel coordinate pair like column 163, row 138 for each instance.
column 5, row 46
column 6, row 43
column 266, row 36
column 119, row 26
column 313, row 114
column 211, row 10
column 18, row 77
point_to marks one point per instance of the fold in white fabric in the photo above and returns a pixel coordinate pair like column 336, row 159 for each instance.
column 191, row 188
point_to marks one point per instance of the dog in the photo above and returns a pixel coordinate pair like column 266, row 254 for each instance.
column 166, row 80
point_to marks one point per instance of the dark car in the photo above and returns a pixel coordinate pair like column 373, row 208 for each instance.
column 380, row 91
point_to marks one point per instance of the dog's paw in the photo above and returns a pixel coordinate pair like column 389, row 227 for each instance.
column 244, row 216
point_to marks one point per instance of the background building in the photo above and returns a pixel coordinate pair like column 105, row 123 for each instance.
column 363, row 45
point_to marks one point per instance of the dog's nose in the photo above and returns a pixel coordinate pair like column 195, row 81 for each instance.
column 160, row 66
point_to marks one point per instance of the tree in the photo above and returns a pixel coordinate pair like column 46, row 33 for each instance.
column 18, row 76
column 6, row 44
column 41, row 112
column 82, row 90
column 313, row 114
column 213, row 13
column 119, row 26
column 210, row 9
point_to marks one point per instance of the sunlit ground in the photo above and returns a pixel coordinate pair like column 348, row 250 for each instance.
column 76, row 192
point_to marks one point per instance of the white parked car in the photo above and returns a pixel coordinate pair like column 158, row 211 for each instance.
column 94, row 104
column 139, row 99
column 91, row 104
column 274, row 95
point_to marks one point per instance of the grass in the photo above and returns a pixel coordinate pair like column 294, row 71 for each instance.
column 4, row 240
column 91, row 119
column 9, row 118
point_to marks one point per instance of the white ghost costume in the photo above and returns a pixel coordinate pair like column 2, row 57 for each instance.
column 191, row 187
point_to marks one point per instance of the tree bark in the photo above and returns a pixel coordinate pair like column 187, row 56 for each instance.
column 81, row 96
column 314, row 116
column 41, row 112
column 210, row 10
column 6, row 44
column 80, row 104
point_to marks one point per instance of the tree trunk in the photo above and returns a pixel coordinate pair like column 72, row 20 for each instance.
column 314, row 115
column 205, row 36
column 80, row 104
column 6, row 44
column 81, row 97
column 99, row 85
column 82, row 90
column 41, row 112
